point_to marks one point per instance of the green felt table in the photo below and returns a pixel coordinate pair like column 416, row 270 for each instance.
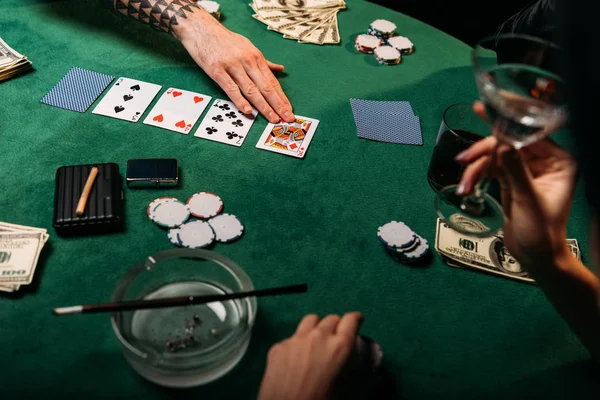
column 446, row 333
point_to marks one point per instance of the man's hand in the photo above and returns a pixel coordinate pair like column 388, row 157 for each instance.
column 236, row 65
column 537, row 184
column 305, row 366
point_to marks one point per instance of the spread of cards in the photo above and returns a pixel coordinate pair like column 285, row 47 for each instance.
column 176, row 110
column 20, row 248
column 307, row 21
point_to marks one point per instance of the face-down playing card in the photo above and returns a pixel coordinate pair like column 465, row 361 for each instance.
column 77, row 90
column 178, row 110
column 291, row 139
column 127, row 99
column 225, row 123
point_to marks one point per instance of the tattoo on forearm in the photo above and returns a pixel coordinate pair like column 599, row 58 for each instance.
column 161, row 14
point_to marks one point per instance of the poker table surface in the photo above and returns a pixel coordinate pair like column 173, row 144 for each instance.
column 445, row 332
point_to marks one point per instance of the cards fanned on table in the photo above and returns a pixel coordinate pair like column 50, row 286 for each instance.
column 307, row 21
column 20, row 248
column 77, row 90
column 387, row 121
column 11, row 62
column 127, row 99
column 178, row 110
column 225, row 123
column 291, row 139
column 486, row 254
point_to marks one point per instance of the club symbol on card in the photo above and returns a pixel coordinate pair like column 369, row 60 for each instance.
column 127, row 97
column 198, row 99
column 224, row 107
column 158, row 118
column 176, row 94
column 118, row 109
column 180, row 124
column 217, row 118
column 210, row 130
column 231, row 135
column 135, row 88
column 230, row 115
column 237, row 123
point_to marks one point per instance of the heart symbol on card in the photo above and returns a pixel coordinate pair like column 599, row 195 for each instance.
column 158, row 118
column 180, row 124
column 198, row 99
column 118, row 109
column 127, row 97
column 175, row 94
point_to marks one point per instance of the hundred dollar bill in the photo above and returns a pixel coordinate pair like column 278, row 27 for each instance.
column 486, row 254
column 19, row 253
column 8, row 55
column 12, row 63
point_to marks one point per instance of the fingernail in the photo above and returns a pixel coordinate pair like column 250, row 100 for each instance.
column 289, row 117
column 462, row 155
column 247, row 110
column 460, row 190
column 273, row 117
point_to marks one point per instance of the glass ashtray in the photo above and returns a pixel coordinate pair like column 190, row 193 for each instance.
column 184, row 346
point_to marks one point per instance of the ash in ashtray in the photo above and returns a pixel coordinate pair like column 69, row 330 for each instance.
column 178, row 343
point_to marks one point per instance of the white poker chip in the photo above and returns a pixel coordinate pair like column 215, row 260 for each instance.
column 396, row 235
column 227, row 227
column 196, row 234
column 173, row 236
column 416, row 253
column 388, row 54
column 410, row 247
column 205, row 205
column 168, row 212
column 383, row 26
column 402, row 44
column 367, row 43
column 368, row 351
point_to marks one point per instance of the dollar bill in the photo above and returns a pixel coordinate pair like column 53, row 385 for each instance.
column 20, row 249
column 487, row 254
column 12, row 63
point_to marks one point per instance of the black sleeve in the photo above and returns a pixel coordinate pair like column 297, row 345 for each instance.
column 538, row 18
column 580, row 39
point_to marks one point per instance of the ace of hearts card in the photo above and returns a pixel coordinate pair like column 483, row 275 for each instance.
column 178, row 110
column 291, row 139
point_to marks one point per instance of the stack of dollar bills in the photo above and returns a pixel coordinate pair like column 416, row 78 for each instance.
column 20, row 248
column 11, row 62
column 486, row 254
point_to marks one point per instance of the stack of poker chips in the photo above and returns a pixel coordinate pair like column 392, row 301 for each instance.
column 212, row 7
column 402, row 243
column 196, row 224
column 381, row 40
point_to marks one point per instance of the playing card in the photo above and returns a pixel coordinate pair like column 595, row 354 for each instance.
column 225, row 123
column 77, row 90
column 291, row 139
column 178, row 110
column 387, row 121
column 127, row 99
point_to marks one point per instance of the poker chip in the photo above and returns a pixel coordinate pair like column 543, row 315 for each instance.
column 396, row 235
column 173, row 236
column 227, row 228
column 402, row 44
column 168, row 212
column 195, row 234
column 205, row 205
column 212, row 7
column 416, row 252
column 387, row 55
column 382, row 28
column 367, row 43
column 368, row 352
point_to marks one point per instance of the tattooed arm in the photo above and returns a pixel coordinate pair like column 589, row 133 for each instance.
column 228, row 58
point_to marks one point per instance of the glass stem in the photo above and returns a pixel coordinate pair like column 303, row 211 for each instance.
column 474, row 204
